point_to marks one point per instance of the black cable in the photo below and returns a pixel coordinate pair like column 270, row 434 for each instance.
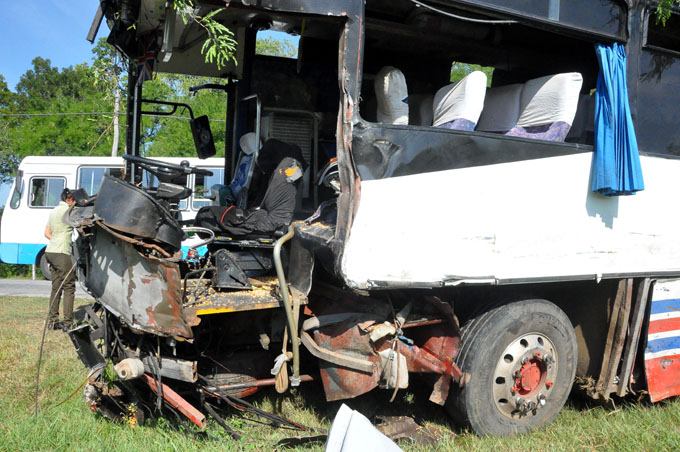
column 468, row 19
column 42, row 341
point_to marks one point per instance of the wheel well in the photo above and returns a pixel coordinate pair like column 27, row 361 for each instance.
column 587, row 304
column 39, row 256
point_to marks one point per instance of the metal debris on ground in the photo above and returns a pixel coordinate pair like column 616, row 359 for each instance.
column 406, row 428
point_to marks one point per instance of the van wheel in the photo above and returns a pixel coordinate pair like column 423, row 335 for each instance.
column 521, row 358
column 45, row 267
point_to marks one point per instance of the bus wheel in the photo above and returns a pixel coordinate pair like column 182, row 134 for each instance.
column 521, row 358
column 45, row 267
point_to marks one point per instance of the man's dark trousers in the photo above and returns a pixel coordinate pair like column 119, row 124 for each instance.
column 60, row 266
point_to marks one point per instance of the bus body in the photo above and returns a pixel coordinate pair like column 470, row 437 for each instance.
column 22, row 234
column 472, row 250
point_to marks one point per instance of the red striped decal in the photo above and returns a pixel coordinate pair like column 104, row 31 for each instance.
column 660, row 326
column 663, row 377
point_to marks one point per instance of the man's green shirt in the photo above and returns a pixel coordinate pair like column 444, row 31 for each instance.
column 61, row 232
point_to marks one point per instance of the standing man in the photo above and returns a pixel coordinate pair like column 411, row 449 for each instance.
column 58, row 254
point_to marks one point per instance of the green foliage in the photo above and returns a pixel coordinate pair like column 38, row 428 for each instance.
column 60, row 95
column 45, row 114
column 220, row 45
column 663, row 10
column 71, row 426
column 171, row 136
column 108, row 67
column 274, row 47
column 460, row 70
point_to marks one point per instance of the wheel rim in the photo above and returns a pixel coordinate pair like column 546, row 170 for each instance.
column 524, row 375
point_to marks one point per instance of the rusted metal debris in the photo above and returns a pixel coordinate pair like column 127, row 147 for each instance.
column 405, row 428
column 176, row 401
column 361, row 346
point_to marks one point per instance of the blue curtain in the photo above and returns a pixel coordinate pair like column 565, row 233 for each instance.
column 616, row 163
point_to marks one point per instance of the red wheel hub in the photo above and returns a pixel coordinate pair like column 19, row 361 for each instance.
column 529, row 377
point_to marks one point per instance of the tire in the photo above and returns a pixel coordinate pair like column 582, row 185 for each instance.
column 521, row 358
column 45, row 267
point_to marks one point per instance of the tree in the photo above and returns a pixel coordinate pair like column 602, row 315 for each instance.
column 274, row 47
column 460, row 70
column 663, row 10
column 57, row 105
column 109, row 68
column 171, row 136
column 9, row 160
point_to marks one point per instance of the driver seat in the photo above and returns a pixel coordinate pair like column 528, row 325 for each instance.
column 274, row 212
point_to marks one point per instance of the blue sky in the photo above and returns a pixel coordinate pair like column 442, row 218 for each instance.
column 53, row 29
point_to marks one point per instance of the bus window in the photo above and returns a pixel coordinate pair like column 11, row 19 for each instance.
column 202, row 186
column 91, row 178
column 46, row 191
column 17, row 190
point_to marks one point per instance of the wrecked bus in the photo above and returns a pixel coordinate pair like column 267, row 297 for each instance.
column 383, row 226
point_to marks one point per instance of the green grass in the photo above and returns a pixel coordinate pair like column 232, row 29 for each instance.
column 71, row 426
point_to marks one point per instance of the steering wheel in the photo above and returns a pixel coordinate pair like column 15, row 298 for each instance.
column 165, row 172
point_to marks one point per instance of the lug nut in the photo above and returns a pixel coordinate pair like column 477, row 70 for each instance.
column 541, row 399
column 549, row 384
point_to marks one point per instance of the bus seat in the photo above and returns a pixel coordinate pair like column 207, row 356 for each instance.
column 459, row 105
column 275, row 211
column 420, row 109
column 224, row 195
column 501, row 108
column 392, row 96
column 548, row 106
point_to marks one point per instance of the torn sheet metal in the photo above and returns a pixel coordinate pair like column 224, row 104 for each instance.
column 358, row 351
column 662, row 351
column 145, row 292
column 343, row 382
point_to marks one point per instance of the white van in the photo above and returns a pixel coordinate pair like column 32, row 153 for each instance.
column 40, row 181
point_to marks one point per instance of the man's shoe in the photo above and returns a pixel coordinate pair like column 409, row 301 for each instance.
column 67, row 326
column 57, row 326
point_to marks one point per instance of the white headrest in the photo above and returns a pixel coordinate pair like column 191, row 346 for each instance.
column 464, row 99
column 501, row 108
column 249, row 143
column 392, row 96
column 549, row 99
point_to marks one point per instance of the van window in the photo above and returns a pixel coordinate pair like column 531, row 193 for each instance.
column 17, row 190
column 91, row 178
column 202, row 186
column 46, row 191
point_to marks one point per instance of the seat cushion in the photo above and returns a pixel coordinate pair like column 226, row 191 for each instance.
column 549, row 132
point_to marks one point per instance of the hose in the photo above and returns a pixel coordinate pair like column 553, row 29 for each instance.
column 292, row 326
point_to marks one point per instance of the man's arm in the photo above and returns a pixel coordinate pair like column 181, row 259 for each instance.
column 48, row 232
